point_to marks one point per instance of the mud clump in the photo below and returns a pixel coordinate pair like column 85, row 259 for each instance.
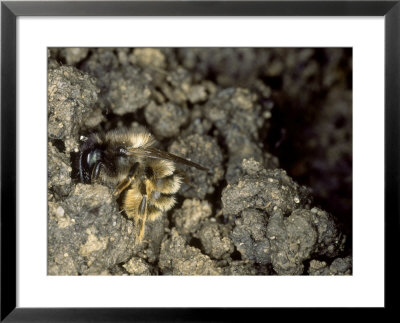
column 178, row 258
column 274, row 223
column 237, row 116
column 166, row 119
column 137, row 266
column 71, row 95
column 86, row 234
column 340, row 266
column 298, row 237
column 223, row 109
column 263, row 189
column 203, row 150
column 249, row 237
column 124, row 88
column 59, row 180
column 215, row 240
column 189, row 217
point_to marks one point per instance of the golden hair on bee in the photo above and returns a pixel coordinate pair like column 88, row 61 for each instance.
column 128, row 161
column 130, row 138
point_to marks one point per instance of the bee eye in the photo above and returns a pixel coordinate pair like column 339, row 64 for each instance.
column 93, row 157
column 87, row 163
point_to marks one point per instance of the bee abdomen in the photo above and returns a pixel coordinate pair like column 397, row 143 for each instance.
column 153, row 213
column 157, row 203
column 161, row 168
column 162, row 202
column 168, row 185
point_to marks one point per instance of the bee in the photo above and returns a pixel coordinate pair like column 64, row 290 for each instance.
column 128, row 161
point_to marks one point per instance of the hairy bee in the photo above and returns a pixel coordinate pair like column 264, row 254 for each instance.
column 128, row 161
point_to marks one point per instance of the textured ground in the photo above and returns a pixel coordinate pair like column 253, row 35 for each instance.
column 272, row 125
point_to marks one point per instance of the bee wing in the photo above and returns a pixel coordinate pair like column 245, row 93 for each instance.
column 151, row 152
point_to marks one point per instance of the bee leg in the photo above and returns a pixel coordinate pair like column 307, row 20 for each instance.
column 122, row 186
column 143, row 215
column 142, row 212
column 127, row 181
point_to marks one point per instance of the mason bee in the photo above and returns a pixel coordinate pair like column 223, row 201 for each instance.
column 128, row 161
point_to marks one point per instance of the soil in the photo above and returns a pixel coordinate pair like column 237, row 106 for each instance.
column 272, row 125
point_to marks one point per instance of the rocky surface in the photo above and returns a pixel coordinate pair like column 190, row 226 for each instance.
column 71, row 95
column 273, row 128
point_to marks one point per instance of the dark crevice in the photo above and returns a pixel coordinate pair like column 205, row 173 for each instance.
column 236, row 255
column 59, row 144
column 196, row 243
column 215, row 199
column 74, row 158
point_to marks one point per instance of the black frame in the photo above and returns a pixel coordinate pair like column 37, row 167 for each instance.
column 10, row 10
